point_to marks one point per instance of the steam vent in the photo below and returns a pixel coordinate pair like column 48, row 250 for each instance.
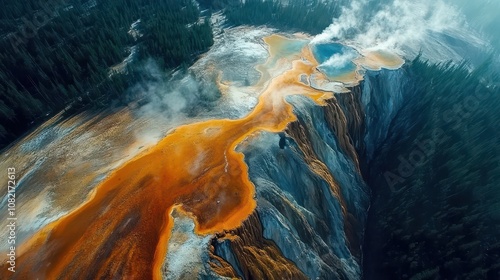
column 249, row 140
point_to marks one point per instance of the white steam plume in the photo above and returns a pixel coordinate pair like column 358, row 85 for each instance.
column 340, row 60
column 173, row 98
column 396, row 25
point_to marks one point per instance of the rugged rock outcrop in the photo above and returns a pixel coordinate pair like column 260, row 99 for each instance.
column 311, row 199
column 383, row 94
column 250, row 255
column 350, row 102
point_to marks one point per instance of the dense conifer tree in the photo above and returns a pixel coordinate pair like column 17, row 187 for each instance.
column 57, row 53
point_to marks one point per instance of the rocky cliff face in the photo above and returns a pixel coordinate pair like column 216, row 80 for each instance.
column 312, row 201
column 383, row 95
column 250, row 255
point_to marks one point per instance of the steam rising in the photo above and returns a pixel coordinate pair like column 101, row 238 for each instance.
column 393, row 25
column 176, row 99
column 340, row 60
column 400, row 26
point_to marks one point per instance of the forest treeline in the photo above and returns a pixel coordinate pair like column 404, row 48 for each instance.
column 436, row 214
column 311, row 16
column 57, row 54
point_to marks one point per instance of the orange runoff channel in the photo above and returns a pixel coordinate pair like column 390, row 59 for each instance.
column 123, row 229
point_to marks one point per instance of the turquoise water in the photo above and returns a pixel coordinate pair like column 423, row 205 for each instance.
column 293, row 47
column 290, row 47
column 323, row 52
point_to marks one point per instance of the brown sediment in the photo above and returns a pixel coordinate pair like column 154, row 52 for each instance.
column 221, row 266
column 257, row 257
column 299, row 132
column 337, row 121
column 61, row 162
column 353, row 111
column 123, row 229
